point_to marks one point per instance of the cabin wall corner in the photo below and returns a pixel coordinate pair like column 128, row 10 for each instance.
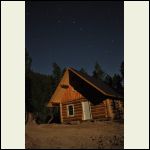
column 61, row 117
column 110, row 112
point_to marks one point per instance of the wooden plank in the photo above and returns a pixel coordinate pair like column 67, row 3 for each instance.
column 95, row 110
column 96, row 117
column 61, row 117
column 100, row 118
column 102, row 111
column 74, row 101
column 75, row 106
column 99, row 114
column 97, row 106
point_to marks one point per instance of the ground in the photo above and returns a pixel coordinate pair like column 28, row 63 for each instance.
column 86, row 135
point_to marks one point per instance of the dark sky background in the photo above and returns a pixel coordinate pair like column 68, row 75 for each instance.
column 75, row 34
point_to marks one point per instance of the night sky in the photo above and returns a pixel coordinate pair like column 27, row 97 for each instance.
column 75, row 34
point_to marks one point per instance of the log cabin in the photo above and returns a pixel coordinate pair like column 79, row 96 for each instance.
column 79, row 97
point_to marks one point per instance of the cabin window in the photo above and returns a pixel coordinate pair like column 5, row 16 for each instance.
column 70, row 110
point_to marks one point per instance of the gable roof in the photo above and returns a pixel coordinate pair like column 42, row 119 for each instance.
column 99, row 85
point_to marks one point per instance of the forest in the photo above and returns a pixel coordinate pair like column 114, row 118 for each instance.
column 40, row 87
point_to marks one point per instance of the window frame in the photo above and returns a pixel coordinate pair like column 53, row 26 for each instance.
column 68, row 115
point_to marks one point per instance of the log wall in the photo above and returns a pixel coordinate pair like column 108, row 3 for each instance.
column 98, row 111
column 104, row 110
column 77, row 110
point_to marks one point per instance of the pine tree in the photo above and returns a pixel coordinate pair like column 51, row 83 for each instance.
column 98, row 73
column 108, row 80
column 56, row 76
column 116, row 83
column 82, row 70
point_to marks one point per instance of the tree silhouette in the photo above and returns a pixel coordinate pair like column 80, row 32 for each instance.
column 83, row 71
column 108, row 80
column 116, row 83
column 122, row 73
column 28, row 105
column 122, row 70
column 98, row 73
column 56, row 75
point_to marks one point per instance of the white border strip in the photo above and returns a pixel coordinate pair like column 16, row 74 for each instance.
column 13, row 74
column 136, row 41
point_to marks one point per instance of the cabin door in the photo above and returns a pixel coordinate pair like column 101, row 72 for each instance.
column 86, row 110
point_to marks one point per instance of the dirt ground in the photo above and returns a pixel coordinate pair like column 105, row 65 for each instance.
column 87, row 135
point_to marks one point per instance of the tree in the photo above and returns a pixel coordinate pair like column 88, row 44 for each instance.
column 116, row 83
column 108, row 80
column 98, row 73
column 122, row 73
column 28, row 105
column 28, row 62
column 41, row 93
column 63, row 71
column 56, row 75
column 38, row 90
column 122, row 70
column 82, row 70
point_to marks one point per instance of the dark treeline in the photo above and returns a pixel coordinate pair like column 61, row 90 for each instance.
column 40, row 87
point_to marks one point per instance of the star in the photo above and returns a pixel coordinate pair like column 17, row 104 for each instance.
column 73, row 22
column 58, row 21
column 81, row 29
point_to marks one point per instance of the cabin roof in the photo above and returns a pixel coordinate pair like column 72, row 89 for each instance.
column 99, row 85
column 103, row 87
